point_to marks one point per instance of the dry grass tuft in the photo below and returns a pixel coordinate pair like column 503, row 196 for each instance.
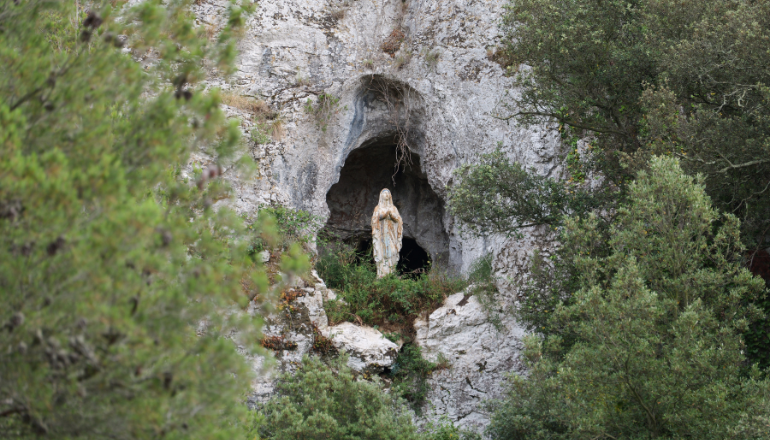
column 277, row 130
column 431, row 59
column 402, row 60
column 257, row 107
column 211, row 32
column 302, row 81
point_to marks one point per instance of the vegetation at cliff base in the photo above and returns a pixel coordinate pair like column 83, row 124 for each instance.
column 390, row 303
column 647, row 322
column 327, row 401
column 319, row 401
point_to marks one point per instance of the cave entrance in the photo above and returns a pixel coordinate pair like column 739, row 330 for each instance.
column 413, row 260
column 369, row 169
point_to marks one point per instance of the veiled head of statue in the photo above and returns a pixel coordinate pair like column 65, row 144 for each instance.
column 385, row 197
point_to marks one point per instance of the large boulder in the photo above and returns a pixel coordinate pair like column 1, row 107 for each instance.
column 369, row 351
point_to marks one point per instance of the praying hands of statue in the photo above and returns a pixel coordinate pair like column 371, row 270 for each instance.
column 388, row 215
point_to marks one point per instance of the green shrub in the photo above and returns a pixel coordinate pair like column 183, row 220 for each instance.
column 446, row 430
column 328, row 402
column 390, row 302
column 279, row 227
column 410, row 373
column 644, row 340
column 109, row 262
column 323, row 109
column 259, row 135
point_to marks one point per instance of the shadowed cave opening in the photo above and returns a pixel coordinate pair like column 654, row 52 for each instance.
column 413, row 259
column 369, row 169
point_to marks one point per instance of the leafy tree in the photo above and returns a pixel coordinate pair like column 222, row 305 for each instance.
column 497, row 196
column 319, row 402
column 109, row 263
column 685, row 78
column 645, row 342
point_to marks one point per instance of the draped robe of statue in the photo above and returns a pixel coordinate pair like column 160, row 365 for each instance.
column 387, row 232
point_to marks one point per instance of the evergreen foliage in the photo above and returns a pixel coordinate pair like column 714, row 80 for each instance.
column 644, row 342
column 115, row 275
column 320, row 402
column 684, row 78
column 498, row 196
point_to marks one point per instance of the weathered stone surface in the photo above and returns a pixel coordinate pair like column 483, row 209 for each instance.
column 478, row 353
column 369, row 351
column 296, row 50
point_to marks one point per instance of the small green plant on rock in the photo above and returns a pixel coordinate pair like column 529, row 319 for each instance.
column 323, row 109
column 482, row 280
column 290, row 225
column 432, row 58
column 410, row 373
column 259, row 135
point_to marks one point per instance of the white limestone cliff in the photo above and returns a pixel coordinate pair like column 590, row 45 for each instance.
column 296, row 50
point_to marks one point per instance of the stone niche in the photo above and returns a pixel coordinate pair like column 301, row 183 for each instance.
column 351, row 201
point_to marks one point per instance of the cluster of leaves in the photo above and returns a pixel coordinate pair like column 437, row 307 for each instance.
column 279, row 227
column 109, row 264
column 410, row 373
column 321, row 344
column 758, row 334
column 323, row 109
column 317, row 401
column 389, row 302
column 497, row 196
column 328, row 401
column 684, row 78
column 644, row 340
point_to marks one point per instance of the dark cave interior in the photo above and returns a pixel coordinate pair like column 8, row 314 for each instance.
column 369, row 169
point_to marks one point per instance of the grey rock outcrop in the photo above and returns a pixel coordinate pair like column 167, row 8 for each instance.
column 296, row 50
column 297, row 326
column 351, row 82
column 369, row 351
column 479, row 355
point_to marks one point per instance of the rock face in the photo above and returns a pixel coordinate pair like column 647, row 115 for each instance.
column 355, row 83
column 369, row 351
column 418, row 71
column 300, row 321
column 479, row 355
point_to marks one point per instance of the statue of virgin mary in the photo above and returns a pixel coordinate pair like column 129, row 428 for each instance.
column 387, row 232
